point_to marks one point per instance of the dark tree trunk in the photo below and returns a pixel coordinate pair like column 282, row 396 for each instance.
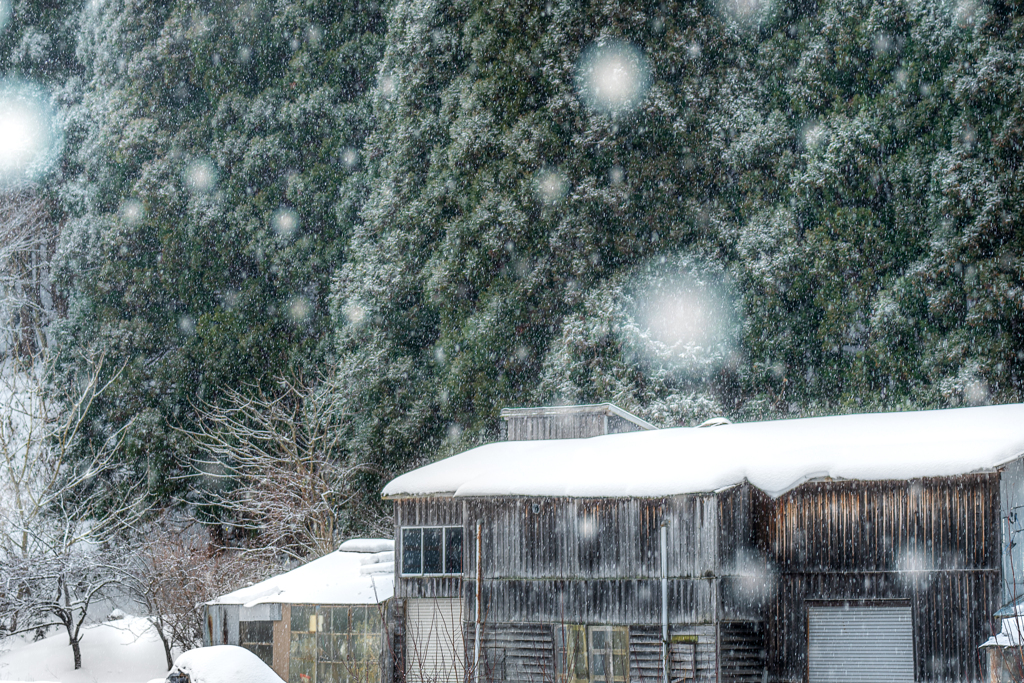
column 77, row 649
column 159, row 626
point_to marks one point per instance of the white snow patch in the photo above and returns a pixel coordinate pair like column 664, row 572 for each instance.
column 224, row 664
column 774, row 456
column 123, row 651
column 367, row 545
column 340, row 578
column 1009, row 634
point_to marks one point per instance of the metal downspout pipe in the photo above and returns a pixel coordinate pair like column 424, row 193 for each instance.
column 479, row 582
column 664, row 602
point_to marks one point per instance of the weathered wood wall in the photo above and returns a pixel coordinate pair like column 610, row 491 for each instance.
column 740, row 563
column 434, row 511
column 934, row 542
column 592, row 561
column 570, row 426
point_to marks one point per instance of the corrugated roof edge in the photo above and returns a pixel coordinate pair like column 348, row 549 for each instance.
column 600, row 408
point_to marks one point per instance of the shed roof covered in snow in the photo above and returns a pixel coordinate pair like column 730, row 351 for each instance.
column 774, row 456
column 361, row 572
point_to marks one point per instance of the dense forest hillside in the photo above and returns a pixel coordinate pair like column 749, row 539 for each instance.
column 433, row 209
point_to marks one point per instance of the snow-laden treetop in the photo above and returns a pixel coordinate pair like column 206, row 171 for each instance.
column 360, row 573
column 774, row 456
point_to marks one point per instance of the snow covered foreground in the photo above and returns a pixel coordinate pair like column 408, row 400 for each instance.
column 122, row 651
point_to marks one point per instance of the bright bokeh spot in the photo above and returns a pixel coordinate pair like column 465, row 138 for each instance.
column 687, row 316
column 28, row 142
column 285, row 223
column 201, row 176
column 613, row 77
column 747, row 13
column 551, row 186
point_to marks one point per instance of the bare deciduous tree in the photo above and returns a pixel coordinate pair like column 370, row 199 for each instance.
column 274, row 467
column 28, row 299
column 57, row 518
column 175, row 570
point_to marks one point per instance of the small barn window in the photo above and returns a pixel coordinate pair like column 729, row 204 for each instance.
column 258, row 638
column 592, row 654
column 431, row 550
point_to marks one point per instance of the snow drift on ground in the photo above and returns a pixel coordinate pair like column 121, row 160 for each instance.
column 122, row 651
column 773, row 456
column 224, row 664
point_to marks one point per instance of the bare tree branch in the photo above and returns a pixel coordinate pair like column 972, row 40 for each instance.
column 274, row 467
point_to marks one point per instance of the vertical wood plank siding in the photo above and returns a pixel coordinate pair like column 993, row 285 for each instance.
column 932, row 541
column 433, row 511
column 741, row 565
column 573, row 426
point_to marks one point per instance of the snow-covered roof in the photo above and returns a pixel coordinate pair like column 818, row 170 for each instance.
column 224, row 664
column 1009, row 634
column 774, row 456
column 340, row 578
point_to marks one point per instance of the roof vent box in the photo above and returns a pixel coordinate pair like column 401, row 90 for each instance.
column 569, row 422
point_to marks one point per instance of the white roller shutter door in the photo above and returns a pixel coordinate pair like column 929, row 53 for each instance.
column 860, row 644
column 435, row 649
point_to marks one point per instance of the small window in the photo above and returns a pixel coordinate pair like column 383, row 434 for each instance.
column 592, row 654
column 431, row 550
column 258, row 637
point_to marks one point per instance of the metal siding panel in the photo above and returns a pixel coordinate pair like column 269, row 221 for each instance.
column 435, row 649
column 860, row 644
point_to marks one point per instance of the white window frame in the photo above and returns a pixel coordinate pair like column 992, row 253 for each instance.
column 444, row 549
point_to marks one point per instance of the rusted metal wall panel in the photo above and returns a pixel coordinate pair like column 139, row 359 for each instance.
column 934, row 542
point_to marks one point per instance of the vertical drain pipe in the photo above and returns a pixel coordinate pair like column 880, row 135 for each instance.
column 479, row 582
column 664, row 601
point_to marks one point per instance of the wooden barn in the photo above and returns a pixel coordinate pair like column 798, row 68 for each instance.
column 855, row 548
column 320, row 623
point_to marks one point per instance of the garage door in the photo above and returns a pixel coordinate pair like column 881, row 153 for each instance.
column 862, row 644
column 435, row 650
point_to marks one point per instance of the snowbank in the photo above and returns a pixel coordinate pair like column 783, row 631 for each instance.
column 224, row 664
column 122, row 651
column 774, row 456
column 340, row 578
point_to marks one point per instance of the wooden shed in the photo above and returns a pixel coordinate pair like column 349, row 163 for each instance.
column 854, row 548
column 320, row 623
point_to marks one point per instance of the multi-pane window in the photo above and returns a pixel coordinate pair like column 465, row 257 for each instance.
column 592, row 654
column 258, row 638
column 432, row 550
column 335, row 644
